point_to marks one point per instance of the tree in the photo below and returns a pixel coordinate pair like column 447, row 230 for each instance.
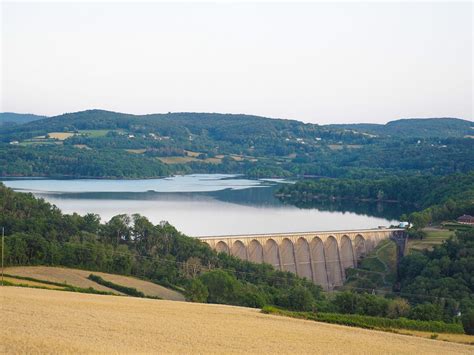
column 399, row 307
column 420, row 219
column 192, row 267
column 300, row 299
column 221, row 285
column 196, row 291
column 426, row 311
column 117, row 229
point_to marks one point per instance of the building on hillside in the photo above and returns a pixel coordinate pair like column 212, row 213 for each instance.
column 466, row 219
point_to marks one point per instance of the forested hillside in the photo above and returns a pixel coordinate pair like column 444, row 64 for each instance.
column 99, row 143
column 416, row 128
column 11, row 119
column 436, row 198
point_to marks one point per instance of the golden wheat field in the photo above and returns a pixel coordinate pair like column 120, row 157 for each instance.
column 48, row 321
column 76, row 277
column 60, row 135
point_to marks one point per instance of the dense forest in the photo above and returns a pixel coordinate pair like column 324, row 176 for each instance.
column 37, row 233
column 435, row 198
column 444, row 274
column 99, row 143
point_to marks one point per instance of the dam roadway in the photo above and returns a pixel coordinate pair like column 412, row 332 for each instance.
column 321, row 257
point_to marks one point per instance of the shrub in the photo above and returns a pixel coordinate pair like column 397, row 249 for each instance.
column 124, row 289
column 251, row 297
column 300, row 299
column 468, row 322
column 356, row 320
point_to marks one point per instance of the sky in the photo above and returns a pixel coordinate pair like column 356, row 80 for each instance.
column 322, row 62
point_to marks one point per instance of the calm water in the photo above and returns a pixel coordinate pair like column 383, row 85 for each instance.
column 198, row 205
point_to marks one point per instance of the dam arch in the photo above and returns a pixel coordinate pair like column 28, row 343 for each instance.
column 222, row 247
column 303, row 259
column 239, row 250
column 333, row 262
column 287, row 256
column 320, row 274
column 271, row 254
column 347, row 253
column 255, row 251
column 360, row 248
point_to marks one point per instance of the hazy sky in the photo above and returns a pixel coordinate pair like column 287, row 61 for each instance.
column 315, row 62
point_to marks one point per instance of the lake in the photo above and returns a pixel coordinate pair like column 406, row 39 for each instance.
column 202, row 204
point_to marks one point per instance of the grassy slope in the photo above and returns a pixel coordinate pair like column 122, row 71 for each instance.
column 379, row 266
column 60, row 322
column 79, row 278
column 433, row 237
column 365, row 322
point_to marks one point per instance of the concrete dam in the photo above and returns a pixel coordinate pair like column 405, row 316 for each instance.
column 321, row 257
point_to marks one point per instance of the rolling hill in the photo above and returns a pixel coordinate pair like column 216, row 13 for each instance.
column 79, row 278
column 11, row 118
column 104, row 144
column 48, row 321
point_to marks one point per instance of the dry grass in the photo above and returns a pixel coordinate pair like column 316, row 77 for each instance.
column 190, row 153
column 188, row 159
column 215, row 160
column 237, row 157
column 176, row 160
column 60, row 135
column 148, row 288
column 456, row 338
column 136, row 151
column 71, row 277
column 47, row 321
column 78, row 278
column 20, row 282
column 433, row 237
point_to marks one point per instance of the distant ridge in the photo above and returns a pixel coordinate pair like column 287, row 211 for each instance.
column 11, row 118
column 443, row 127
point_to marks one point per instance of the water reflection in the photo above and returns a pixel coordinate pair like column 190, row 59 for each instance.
column 388, row 210
column 207, row 204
